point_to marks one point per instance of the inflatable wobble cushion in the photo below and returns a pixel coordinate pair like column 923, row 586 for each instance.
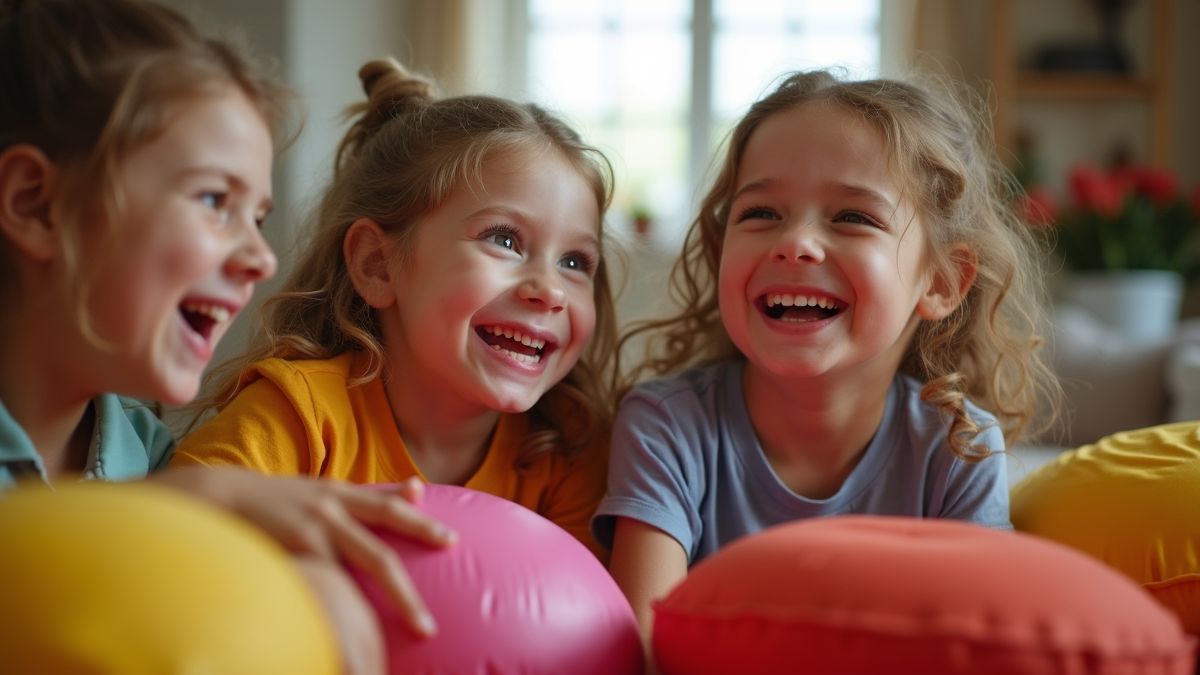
column 872, row 594
column 515, row 594
column 1131, row 500
column 137, row 579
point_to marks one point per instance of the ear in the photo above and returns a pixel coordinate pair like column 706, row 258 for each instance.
column 949, row 288
column 367, row 252
column 27, row 180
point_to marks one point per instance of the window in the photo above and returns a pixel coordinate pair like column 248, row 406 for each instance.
column 657, row 84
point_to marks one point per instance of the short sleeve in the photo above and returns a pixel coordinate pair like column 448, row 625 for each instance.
column 572, row 499
column 653, row 475
column 259, row 429
column 978, row 492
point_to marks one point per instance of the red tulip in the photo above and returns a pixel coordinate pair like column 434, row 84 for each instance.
column 1156, row 184
column 1094, row 191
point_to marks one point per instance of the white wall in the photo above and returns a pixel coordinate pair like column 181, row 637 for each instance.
column 319, row 47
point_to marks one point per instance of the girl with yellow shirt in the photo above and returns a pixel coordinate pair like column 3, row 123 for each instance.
column 451, row 318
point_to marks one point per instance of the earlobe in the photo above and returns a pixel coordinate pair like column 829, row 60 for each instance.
column 27, row 179
column 948, row 289
column 366, row 251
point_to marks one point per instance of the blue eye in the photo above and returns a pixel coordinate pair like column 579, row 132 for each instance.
column 579, row 262
column 504, row 236
column 217, row 201
column 504, row 240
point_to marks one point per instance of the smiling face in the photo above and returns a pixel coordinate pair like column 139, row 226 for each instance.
column 492, row 301
column 822, row 266
column 187, row 251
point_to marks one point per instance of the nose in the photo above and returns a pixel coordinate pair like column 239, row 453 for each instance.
column 799, row 242
column 542, row 287
column 253, row 260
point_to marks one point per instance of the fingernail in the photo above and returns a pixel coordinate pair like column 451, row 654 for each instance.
column 426, row 625
column 444, row 533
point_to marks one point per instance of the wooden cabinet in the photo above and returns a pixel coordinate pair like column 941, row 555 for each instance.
column 1149, row 86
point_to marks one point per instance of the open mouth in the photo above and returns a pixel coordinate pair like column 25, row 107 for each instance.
column 517, row 345
column 799, row 308
column 203, row 317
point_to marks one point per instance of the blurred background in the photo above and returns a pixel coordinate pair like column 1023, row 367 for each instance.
column 657, row 84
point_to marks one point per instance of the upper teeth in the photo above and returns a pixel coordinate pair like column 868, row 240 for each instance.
column 788, row 300
column 215, row 312
column 517, row 336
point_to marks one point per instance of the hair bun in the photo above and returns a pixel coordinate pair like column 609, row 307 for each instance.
column 385, row 80
column 391, row 91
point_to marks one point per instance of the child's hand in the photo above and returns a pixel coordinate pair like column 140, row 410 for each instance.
column 325, row 519
column 354, row 623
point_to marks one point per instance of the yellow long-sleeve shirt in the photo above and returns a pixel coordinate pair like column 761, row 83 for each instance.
column 301, row 418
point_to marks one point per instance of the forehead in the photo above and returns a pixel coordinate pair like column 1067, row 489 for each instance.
column 222, row 131
column 818, row 137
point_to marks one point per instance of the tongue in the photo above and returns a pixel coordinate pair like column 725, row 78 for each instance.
column 507, row 343
column 200, row 323
column 802, row 314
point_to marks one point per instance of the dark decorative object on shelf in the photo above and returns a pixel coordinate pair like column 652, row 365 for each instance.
column 1105, row 56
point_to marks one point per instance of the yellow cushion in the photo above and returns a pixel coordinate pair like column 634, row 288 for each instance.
column 1131, row 500
column 136, row 579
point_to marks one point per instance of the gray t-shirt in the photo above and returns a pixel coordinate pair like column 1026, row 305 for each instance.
column 686, row 460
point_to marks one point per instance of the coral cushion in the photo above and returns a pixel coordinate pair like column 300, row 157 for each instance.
column 871, row 594
column 1131, row 500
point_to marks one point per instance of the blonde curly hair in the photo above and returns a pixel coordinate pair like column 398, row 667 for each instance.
column 989, row 349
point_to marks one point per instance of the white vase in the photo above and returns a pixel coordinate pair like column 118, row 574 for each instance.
column 1141, row 305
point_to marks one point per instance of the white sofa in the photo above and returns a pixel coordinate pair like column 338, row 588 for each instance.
column 1113, row 384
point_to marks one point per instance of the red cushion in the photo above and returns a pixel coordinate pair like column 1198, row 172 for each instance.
column 869, row 594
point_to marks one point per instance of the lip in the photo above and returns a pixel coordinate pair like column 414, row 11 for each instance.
column 760, row 299
column 790, row 289
column 201, row 345
column 550, row 345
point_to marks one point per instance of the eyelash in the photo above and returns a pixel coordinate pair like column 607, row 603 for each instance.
column 755, row 213
column 587, row 263
column 867, row 220
column 503, row 231
column 746, row 213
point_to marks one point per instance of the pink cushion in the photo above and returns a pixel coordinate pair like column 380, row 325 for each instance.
column 864, row 594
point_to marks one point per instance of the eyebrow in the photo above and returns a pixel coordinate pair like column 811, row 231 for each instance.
column 517, row 214
column 845, row 188
column 751, row 187
column 866, row 193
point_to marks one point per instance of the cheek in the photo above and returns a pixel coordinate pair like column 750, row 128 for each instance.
column 733, row 273
column 583, row 317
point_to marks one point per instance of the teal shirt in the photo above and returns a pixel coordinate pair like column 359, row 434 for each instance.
column 128, row 442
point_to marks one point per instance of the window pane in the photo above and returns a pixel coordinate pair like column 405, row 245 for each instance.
column 620, row 71
column 756, row 42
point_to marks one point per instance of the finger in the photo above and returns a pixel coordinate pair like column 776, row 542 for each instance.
column 412, row 489
column 362, row 549
column 397, row 515
column 357, row 627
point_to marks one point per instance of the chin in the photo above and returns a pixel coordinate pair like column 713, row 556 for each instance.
column 176, row 393
column 513, row 404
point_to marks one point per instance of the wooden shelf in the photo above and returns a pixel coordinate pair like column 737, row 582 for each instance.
column 1013, row 86
column 1082, row 87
